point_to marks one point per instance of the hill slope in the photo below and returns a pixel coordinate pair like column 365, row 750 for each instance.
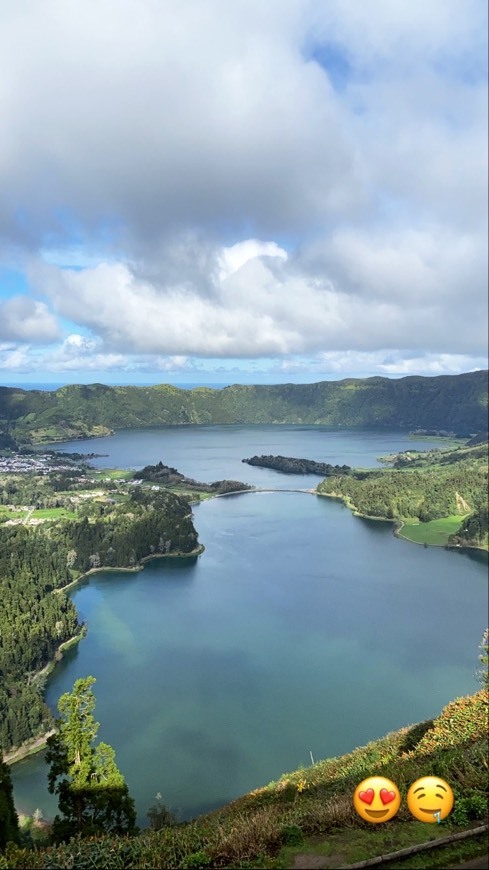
column 456, row 403
column 252, row 831
column 421, row 490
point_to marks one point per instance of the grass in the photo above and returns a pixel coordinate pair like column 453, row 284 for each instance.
column 311, row 810
column 350, row 845
column 58, row 513
column 113, row 474
column 447, row 441
column 436, row 532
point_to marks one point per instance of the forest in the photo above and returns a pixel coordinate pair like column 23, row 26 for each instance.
column 36, row 616
column 426, row 487
column 164, row 474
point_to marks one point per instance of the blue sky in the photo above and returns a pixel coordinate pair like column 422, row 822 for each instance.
column 291, row 191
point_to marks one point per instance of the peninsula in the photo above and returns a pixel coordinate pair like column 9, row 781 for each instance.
column 164, row 475
column 61, row 520
column 436, row 497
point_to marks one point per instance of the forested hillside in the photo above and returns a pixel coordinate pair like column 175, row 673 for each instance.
column 455, row 403
column 35, row 619
column 450, row 484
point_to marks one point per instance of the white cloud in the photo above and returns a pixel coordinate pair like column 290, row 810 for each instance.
column 220, row 194
column 76, row 352
column 231, row 259
column 26, row 319
column 349, row 292
column 182, row 117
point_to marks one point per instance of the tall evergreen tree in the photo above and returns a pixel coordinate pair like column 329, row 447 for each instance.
column 92, row 794
column 9, row 823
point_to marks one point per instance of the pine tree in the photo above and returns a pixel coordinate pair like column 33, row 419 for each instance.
column 9, row 823
column 92, row 794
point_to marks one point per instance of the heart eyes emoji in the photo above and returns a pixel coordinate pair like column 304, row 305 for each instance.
column 377, row 799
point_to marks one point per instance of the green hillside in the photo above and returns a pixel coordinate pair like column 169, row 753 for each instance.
column 439, row 498
column 311, row 810
column 455, row 403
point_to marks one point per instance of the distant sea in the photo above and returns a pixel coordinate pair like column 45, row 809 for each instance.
column 35, row 386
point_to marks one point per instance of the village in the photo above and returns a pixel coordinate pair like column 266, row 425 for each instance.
column 40, row 463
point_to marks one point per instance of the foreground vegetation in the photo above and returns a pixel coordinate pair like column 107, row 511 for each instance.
column 266, row 827
column 438, row 498
column 451, row 403
column 93, row 797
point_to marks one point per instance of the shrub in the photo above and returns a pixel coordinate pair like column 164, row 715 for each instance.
column 469, row 807
column 196, row 860
column 461, row 721
column 291, row 835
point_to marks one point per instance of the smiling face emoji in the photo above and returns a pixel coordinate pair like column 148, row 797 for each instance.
column 377, row 799
column 430, row 799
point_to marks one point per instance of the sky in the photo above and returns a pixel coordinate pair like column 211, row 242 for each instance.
column 239, row 191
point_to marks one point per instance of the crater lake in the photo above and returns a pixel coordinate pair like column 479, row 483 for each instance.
column 301, row 630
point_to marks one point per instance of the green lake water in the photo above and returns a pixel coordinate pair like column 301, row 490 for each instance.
column 300, row 628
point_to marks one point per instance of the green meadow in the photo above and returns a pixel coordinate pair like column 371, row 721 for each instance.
column 435, row 533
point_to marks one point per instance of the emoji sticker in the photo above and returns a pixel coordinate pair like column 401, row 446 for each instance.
column 377, row 799
column 430, row 799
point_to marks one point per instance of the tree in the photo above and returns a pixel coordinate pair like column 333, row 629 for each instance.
column 159, row 815
column 92, row 794
column 9, row 823
column 483, row 672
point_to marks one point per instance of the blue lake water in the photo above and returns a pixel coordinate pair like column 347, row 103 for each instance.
column 210, row 453
column 300, row 628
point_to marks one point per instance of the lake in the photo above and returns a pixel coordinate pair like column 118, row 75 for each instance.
column 301, row 629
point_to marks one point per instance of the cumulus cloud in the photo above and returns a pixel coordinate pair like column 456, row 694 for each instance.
column 231, row 259
column 348, row 292
column 74, row 353
column 289, row 179
column 151, row 117
column 26, row 319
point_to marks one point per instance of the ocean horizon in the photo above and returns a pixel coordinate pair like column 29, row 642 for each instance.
column 56, row 386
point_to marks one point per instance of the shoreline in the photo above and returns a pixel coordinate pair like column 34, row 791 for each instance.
column 35, row 745
column 131, row 570
column 28, row 749
column 31, row 747
column 398, row 525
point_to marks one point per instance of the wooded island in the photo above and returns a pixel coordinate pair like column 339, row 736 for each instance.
column 291, row 465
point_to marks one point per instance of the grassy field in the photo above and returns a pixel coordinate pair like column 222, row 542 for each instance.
column 6, row 514
column 435, row 533
column 53, row 514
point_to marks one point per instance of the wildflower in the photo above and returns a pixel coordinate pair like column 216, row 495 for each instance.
column 301, row 785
